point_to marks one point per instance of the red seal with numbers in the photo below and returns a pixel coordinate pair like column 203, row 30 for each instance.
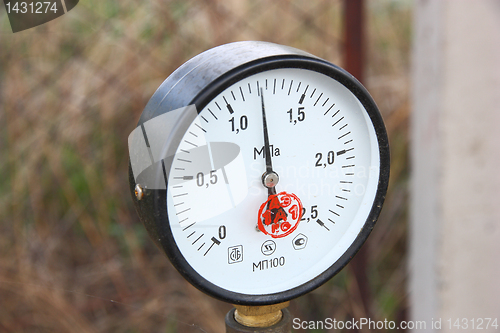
column 279, row 216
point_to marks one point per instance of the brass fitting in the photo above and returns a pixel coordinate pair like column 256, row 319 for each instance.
column 259, row 316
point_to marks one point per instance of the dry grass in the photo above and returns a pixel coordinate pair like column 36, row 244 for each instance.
column 73, row 255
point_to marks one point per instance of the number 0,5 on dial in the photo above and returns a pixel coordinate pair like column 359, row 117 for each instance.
column 277, row 180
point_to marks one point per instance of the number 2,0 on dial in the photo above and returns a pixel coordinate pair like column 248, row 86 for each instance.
column 273, row 181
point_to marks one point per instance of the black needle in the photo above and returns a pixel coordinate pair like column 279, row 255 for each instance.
column 267, row 151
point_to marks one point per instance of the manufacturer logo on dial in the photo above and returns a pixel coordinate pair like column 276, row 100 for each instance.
column 299, row 242
column 235, row 254
column 268, row 247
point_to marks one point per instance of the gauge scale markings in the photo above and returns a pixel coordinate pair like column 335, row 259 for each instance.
column 301, row 100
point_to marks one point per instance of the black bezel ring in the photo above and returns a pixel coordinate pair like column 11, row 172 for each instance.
column 154, row 213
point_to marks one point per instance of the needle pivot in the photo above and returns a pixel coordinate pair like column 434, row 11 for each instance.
column 270, row 179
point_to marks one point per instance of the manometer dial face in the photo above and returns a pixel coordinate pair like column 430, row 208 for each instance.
column 312, row 140
column 259, row 170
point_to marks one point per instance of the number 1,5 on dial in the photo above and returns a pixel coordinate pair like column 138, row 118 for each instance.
column 298, row 115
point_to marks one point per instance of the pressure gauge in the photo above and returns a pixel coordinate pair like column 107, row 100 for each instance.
column 259, row 170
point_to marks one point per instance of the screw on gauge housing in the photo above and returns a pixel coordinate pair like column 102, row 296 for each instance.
column 139, row 192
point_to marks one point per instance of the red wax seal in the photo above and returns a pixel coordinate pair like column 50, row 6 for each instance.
column 280, row 215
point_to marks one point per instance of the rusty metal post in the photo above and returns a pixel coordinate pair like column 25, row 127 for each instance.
column 354, row 36
column 354, row 60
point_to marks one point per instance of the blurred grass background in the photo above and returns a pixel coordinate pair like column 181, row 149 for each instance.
column 73, row 254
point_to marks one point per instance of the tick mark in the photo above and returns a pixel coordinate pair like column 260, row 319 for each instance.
column 340, row 137
column 328, row 108
column 214, row 241
column 312, row 93
column 241, row 91
column 202, row 127
column 185, row 210
column 318, row 99
column 189, row 226
column 197, row 239
column 191, row 143
column 338, row 121
column 322, row 224
column 331, row 211
column 213, row 113
column 302, row 98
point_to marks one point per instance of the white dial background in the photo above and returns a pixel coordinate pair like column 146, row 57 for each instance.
column 326, row 153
